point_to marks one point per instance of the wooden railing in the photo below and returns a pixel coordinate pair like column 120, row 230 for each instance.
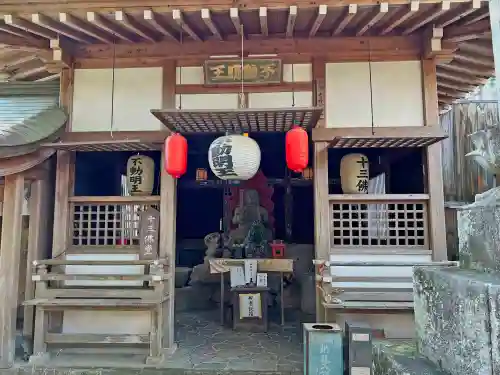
column 106, row 221
column 379, row 221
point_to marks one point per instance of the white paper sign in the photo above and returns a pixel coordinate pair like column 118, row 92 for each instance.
column 250, row 306
column 237, row 275
column 250, row 271
column 262, row 279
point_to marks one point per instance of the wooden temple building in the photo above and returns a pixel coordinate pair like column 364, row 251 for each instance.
column 362, row 77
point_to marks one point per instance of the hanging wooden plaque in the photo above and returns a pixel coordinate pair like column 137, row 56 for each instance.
column 255, row 71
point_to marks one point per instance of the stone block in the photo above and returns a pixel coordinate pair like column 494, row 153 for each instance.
column 400, row 358
column 453, row 319
column 479, row 237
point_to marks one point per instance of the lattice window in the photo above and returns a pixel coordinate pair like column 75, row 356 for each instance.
column 404, row 224
column 106, row 224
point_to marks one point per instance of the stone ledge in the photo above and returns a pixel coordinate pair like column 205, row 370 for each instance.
column 401, row 358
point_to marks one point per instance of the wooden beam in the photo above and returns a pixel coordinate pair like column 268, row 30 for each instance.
column 433, row 42
column 159, row 25
column 290, row 23
column 49, row 24
column 453, row 86
column 396, row 131
column 103, row 23
column 79, row 25
column 404, row 13
column 319, row 88
column 457, row 34
column 179, row 19
column 235, row 19
column 322, row 222
column 51, row 77
column 263, row 21
column 15, row 37
column 133, row 26
column 320, row 17
column 344, row 19
column 434, row 175
column 484, row 48
column 28, row 26
column 372, row 18
column 17, row 60
column 346, row 49
column 477, row 16
column 27, row 72
column 474, row 59
column 206, row 16
column 466, row 69
column 460, row 12
column 10, row 250
column 460, row 78
column 60, row 57
column 428, row 16
column 13, row 6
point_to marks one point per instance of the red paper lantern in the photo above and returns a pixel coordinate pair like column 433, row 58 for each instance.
column 297, row 149
column 176, row 155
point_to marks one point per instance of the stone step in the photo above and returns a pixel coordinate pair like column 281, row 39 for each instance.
column 401, row 358
column 457, row 316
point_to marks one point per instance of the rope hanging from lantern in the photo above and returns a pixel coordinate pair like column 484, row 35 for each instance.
column 242, row 93
column 180, row 68
column 293, row 86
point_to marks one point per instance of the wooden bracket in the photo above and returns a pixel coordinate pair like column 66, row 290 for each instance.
column 61, row 56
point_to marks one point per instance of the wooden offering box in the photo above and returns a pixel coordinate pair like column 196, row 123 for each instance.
column 250, row 308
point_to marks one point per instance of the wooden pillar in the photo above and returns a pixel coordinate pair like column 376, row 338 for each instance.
column 62, row 220
column 10, row 256
column 433, row 166
column 39, row 225
column 168, row 208
column 321, row 213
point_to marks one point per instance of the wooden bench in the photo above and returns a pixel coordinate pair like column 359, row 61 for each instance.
column 372, row 292
column 55, row 292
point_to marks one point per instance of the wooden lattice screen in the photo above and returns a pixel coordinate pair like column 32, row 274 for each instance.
column 399, row 224
column 102, row 224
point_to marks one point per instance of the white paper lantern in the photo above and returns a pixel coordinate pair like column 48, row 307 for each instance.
column 354, row 174
column 140, row 175
column 234, row 157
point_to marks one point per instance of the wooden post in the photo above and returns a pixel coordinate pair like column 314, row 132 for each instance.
column 434, row 175
column 322, row 225
column 39, row 206
column 10, row 256
column 64, row 182
column 168, row 203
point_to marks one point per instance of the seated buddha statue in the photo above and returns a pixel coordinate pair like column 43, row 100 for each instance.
column 247, row 216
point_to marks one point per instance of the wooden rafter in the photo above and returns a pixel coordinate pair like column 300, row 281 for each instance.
column 49, row 24
column 206, row 16
column 344, row 19
column 235, row 19
column 372, row 18
column 457, row 34
column 133, row 26
column 263, row 21
column 404, row 13
column 108, row 26
column 79, row 25
column 428, row 16
column 24, row 25
column 320, row 16
column 158, row 24
column 179, row 20
column 461, row 11
column 290, row 23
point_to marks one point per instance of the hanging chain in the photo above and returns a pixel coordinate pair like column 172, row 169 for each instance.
column 371, row 84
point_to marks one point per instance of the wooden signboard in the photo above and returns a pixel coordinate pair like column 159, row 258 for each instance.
column 255, row 71
column 149, row 233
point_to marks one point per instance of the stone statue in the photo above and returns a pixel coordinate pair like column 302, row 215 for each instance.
column 478, row 223
column 487, row 155
column 245, row 216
